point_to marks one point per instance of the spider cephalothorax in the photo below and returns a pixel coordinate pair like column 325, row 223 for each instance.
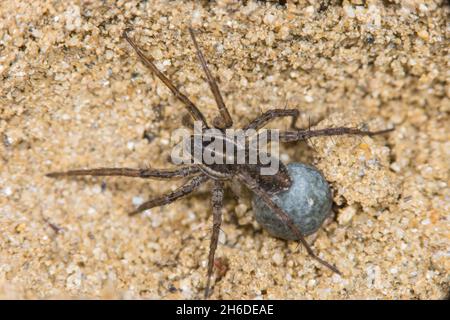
column 262, row 185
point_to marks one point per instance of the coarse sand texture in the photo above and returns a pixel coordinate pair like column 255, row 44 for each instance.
column 73, row 95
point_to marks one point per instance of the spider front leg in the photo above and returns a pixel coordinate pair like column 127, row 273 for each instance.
column 224, row 121
column 217, row 204
column 252, row 184
column 148, row 62
column 172, row 196
column 270, row 115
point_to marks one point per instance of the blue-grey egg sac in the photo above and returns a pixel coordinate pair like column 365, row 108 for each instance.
column 308, row 202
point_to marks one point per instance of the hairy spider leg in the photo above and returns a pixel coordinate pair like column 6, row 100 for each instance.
column 298, row 135
column 148, row 62
column 170, row 197
column 304, row 134
column 128, row 172
column 270, row 115
column 217, row 204
column 225, row 120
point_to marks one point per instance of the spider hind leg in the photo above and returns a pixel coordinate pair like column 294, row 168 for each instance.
column 217, row 204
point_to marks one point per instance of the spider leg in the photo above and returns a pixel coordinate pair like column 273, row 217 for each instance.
column 297, row 135
column 225, row 121
column 148, row 62
column 217, row 204
column 182, row 191
column 252, row 184
column 128, row 172
column 309, row 140
column 270, row 115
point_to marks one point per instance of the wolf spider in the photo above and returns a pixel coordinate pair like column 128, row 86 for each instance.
column 249, row 175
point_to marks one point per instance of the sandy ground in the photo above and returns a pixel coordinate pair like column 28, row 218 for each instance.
column 74, row 95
